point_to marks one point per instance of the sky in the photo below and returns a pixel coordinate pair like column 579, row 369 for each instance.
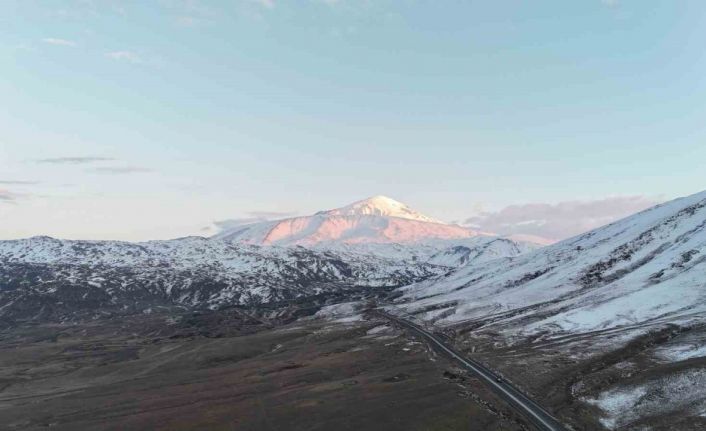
column 155, row 119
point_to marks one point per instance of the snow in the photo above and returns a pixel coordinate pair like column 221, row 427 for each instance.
column 685, row 391
column 344, row 309
column 374, row 220
column 350, row 319
column 380, row 206
column 383, row 228
column 682, row 352
column 647, row 268
column 378, row 329
column 616, row 403
column 347, row 312
column 175, row 269
column 443, row 252
column 349, row 229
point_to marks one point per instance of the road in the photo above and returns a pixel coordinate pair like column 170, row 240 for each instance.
column 521, row 402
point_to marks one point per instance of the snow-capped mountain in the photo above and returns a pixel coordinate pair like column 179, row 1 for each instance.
column 348, row 248
column 379, row 206
column 378, row 219
column 383, row 227
column 647, row 268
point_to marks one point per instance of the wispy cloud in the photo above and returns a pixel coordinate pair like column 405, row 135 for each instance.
column 59, row 42
column 7, row 196
column 269, row 4
column 558, row 221
column 252, row 217
column 187, row 21
column 81, row 160
column 18, row 183
column 128, row 56
column 120, row 170
column 271, row 214
column 223, row 225
column 91, row 160
column 190, row 13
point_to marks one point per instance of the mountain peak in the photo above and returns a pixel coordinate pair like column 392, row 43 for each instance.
column 377, row 219
column 381, row 206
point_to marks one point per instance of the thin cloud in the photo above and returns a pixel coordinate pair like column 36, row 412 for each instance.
column 187, row 21
column 59, row 42
column 554, row 222
column 190, row 13
column 74, row 160
column 269, row 4
column 252, row 217
column 121, row 170
column 223, row 225
column 271, row 214
column 18, row 183
column 128, row 56
column 7, row 196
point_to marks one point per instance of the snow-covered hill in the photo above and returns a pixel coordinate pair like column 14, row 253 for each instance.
column 613, row 319
column 452, row 253
column 347, row 248
column 46, row 275
column 374, row 220
column 647, row 268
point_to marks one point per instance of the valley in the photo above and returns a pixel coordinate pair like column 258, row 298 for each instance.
column 605, row 330
column 161, row 372
column 331, row 215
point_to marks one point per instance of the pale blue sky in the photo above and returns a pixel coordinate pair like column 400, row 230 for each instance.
column 213, row 110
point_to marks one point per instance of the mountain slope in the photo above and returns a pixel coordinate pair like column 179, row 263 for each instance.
column 445, row 252
column 612, row 323
column 46, row 277
column 649, row 267
column 374, row 220
column 377, row 242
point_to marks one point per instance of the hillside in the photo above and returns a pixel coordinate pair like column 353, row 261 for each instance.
column 44, row 277
column 614, row 319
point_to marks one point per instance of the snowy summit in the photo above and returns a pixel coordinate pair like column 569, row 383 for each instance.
column 380, row 206
column 378, row 219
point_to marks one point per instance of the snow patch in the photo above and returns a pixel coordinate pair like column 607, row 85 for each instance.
column 338, row 311
column 685, row 391
column 682, row 352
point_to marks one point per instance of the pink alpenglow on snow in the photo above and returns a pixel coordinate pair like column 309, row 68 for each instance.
column 378, row 219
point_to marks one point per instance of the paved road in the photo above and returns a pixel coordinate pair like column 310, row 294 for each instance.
column 531, row 410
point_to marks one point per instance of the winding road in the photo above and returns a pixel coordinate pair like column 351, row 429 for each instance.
column 519, row 401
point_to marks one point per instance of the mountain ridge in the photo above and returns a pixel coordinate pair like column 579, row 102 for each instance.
column 647, row 266
column 48, row 279
column 377, row 219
